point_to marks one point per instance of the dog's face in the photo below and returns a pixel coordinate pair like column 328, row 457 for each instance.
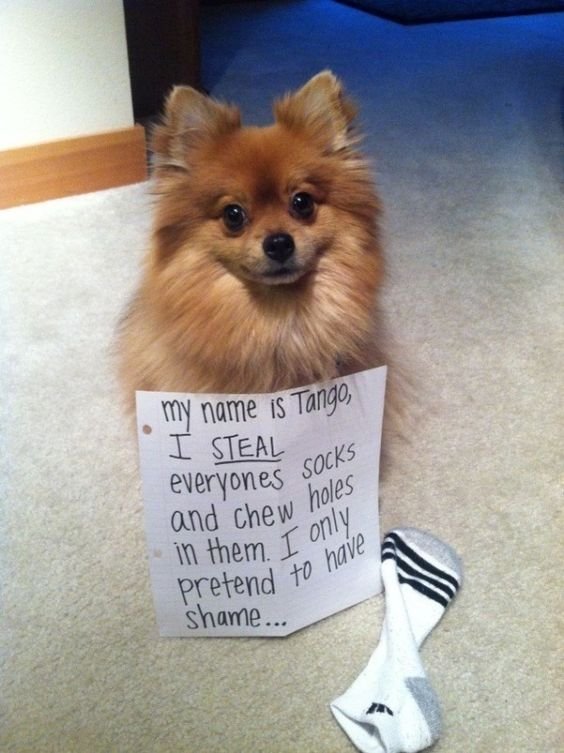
column 262, row 201
column 266, row 204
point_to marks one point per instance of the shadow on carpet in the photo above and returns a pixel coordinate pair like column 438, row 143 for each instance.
column 415, row 12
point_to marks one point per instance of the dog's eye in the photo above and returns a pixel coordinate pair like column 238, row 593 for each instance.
column 302, row 205
column 234, row 217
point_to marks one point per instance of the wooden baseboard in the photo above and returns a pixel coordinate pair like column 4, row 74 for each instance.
column 72, row 166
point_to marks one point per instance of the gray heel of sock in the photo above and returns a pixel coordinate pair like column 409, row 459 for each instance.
column 428, row 702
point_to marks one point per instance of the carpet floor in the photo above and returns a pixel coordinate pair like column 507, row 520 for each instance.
column 464, row 123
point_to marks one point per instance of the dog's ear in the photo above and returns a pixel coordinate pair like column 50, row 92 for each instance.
column 321, row 108
column 189, row 118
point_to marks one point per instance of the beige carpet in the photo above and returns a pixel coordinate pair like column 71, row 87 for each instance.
column 464, row 121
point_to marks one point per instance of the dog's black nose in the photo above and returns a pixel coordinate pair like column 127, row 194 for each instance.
column 278, row 246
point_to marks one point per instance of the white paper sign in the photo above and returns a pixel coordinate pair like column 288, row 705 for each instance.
column 261, row 511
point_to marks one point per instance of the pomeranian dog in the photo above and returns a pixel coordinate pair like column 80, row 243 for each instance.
column 265, row 263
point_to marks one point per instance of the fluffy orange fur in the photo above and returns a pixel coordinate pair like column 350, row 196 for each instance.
column 213, row 313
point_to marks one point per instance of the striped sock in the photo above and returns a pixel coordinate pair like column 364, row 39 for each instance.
column 391, row 707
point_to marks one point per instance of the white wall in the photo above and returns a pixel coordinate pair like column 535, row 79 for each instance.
column 63, row 70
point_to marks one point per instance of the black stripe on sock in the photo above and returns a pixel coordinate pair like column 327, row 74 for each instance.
column 393, row 540
column 411, row 571
column 418, row 586
column 390, row 551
